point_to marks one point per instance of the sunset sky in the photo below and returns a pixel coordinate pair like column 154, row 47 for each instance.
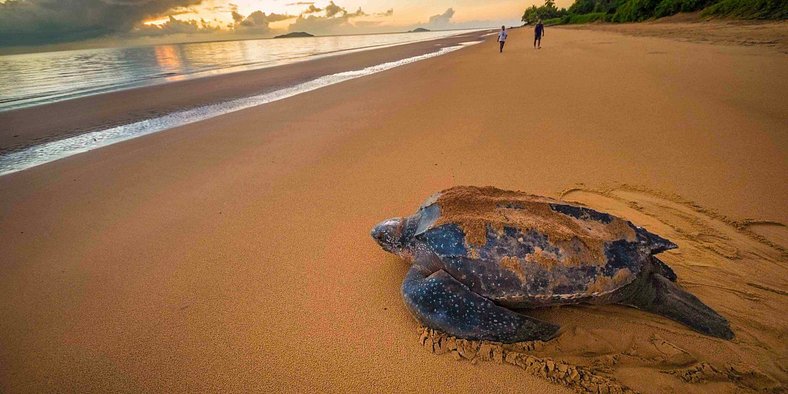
column 47, row 22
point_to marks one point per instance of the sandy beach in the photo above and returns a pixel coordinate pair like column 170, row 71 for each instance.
column 691, row 27
column 234, row 254
column 24, row 127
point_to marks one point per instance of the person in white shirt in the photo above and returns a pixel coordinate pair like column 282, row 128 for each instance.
column 502, row 35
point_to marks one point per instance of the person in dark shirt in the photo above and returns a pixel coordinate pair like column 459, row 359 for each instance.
column 538, row 33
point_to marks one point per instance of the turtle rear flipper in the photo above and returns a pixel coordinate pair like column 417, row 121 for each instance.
column 663, row 269
column 655, row 293
column 439, row 301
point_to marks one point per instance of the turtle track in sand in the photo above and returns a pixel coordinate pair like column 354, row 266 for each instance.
column 738, row 267
column 579, row 378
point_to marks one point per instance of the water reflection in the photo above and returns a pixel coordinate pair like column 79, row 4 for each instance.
column 46, row 152
column 167, row 58
column 33, row 79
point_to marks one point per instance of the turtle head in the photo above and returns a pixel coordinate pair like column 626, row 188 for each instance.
column 389, row 234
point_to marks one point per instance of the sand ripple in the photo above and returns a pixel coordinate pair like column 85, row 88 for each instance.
column 736, row 269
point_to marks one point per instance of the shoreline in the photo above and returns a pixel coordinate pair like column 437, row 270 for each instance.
column 26, row 127
column 55, row 150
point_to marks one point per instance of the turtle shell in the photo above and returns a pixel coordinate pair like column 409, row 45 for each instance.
column 525, row 250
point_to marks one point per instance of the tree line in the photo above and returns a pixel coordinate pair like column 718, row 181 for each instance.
column 584, row 11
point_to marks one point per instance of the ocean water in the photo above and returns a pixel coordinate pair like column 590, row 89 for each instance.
column 32, row 79
column 50, row 151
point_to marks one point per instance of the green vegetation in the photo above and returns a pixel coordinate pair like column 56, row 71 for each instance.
column 545, row 12
column 585, row 18
column 749, row 9
column 571, row 19
column 587, row 11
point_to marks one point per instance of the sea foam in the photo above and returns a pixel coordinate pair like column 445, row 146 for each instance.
column 51, row 151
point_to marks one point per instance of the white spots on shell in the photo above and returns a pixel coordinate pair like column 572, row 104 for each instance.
column 441, row 302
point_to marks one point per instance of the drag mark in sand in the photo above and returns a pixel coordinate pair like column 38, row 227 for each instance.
column 735, row 270
column 579, row 378
column 51, row 151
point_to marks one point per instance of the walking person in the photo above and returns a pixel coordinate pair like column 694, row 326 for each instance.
column 502, row 36
column 538, row 33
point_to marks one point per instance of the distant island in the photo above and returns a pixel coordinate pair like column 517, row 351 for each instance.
column 295, row 34
column 419, row 30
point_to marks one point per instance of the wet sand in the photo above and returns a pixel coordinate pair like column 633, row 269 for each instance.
column 25, row 127
column 234, row 253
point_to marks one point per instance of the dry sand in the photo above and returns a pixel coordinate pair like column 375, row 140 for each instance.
column 233, row 254
column 691, row 27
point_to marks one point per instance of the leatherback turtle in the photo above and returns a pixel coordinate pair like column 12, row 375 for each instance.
column 478, row 253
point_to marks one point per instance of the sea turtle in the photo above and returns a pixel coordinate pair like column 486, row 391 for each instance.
column 477, row 253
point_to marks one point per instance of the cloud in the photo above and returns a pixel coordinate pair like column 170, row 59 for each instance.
column 333, row 9
column 257, row 21
column 32, row 22
column 367, row 24
column 37, row 22
column 175, row 26
column 358, row 13
column 446, row 20
column 442, row 20
column 319, row 24
column 335, row 19
column 312, row 10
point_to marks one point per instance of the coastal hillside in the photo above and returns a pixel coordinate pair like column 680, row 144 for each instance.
column 620, row 11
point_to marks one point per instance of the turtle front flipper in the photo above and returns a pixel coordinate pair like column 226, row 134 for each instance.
column 440, row 302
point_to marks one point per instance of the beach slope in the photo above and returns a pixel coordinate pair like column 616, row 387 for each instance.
column 234, row 253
